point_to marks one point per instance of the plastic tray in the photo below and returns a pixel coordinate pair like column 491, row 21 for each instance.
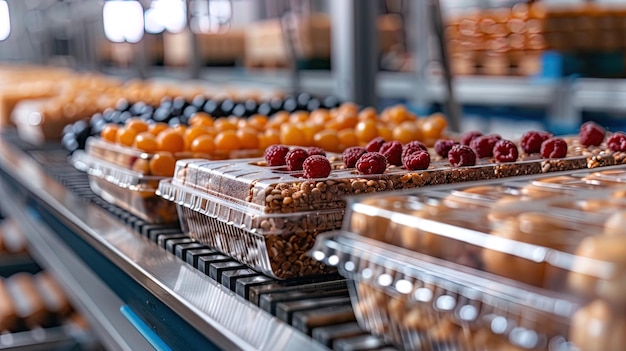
column 133, row 191
column 275, row 244
column 138, row 161
column 274, row 189
column 523, row 265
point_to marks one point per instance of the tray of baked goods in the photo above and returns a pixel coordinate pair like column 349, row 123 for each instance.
column 531, row 263
column 266, row 212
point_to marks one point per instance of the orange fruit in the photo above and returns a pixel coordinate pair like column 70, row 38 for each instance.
column 171, row 140
column 137, row 124
column 126, row 136
column 192, row 133
column 433, row 126
column 227, row 140
column 291, row 135
column 222, row 124
column 201, row 119
column 347, row 137
column 327, row 139
column 109, row 132
column 248, row 138
column 157, row 128
column 366, row 130
column 203, row 144
column 405, row 132
column 368, row 113
column 162, row 164
column 146, row 142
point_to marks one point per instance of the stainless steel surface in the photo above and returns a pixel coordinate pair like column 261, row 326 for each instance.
column 355, row 50
column 451, row 107
column 220, row 315
column 87, row 292
column 421, row 51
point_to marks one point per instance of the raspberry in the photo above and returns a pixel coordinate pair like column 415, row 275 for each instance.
column 531, row 141
column 275, row 155
column 313, row 150
column 412, row 147
column 375, row 144
column 617, row 142
column 591, row 134
column 417, row 160
column 372, row 163
column 351, row 155
column 469, row 136
column 461, row 155
column 442, row 146
column 295, row 158
column 483, row 145
column 392, row 150
column 505, row 151
column 554, row 148
column 316, row 166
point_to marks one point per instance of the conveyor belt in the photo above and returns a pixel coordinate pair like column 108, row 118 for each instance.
column 319, row 307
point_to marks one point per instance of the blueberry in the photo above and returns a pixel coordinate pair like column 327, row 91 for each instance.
column 239, row 110
column 122, row 105
column 210, row 107
column 198, row 101
column 189, row 111
column 265, row 109
column 313, row 104
column 290, row 104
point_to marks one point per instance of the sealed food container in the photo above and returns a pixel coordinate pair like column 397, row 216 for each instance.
column 277, row 190
column 139, row 161
column 273, row 243
column 130, row 190
column 525, row 264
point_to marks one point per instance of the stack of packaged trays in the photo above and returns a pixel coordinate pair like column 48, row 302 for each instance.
column 268, row 217
column 522, row 264
column 121, row 176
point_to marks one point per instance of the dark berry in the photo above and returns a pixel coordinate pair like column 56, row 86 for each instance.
column 469, row 136
column 554, row 148
column 443, row 146
column 591, row 134
column 295, row 158
column 275, row 155
column 417, row 160
column 316, row 166
column 411, row 148
column 483, row 145
column 392, row 150
column 351, row 155
column 617, row 142
column 505, row 151
column 314, row 150
column 372, row 163
column 461, row 155
column 375, row 144
column 531, row 141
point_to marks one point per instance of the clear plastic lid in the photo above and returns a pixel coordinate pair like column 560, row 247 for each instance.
column 113, row 173
column 275, row 189
column 563, row 234
column 138, row 160
column 247, row 216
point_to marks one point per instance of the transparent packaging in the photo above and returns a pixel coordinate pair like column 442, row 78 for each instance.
column 139, row 161
column 277, row 190
column 527, row 264
column 275, row 244
column 132, row 191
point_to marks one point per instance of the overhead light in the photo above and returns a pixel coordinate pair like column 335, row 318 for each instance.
column 123, row 21
column 169, row 15
column 5, row 20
